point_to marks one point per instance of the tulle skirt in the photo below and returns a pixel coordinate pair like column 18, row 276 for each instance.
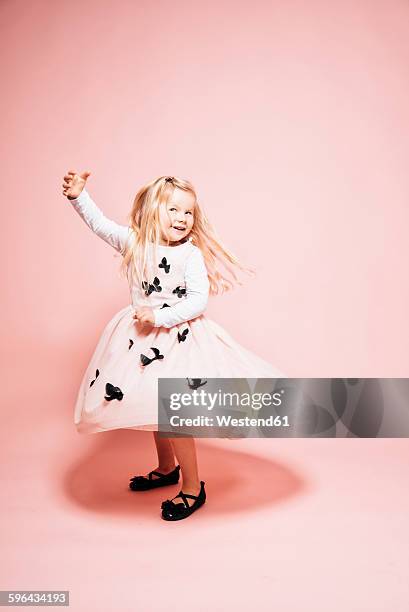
column 118, row 391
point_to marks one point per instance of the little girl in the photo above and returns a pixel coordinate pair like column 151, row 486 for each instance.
column 170, row 256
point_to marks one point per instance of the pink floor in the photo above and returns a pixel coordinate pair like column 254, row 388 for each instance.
column 290, row 525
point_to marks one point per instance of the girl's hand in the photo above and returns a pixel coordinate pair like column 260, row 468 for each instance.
column 74, row 183
column 145, row 315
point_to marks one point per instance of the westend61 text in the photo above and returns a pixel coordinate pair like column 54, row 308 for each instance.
column 228, row 421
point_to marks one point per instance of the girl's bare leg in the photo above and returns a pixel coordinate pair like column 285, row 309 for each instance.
column 185, row 451
column 166, row 456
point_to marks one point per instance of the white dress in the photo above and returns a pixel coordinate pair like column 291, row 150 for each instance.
column 119, row 388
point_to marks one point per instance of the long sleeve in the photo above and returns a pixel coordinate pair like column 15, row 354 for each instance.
column 197, row 294
column 114, row 234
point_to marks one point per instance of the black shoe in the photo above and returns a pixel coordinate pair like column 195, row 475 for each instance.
column 141, row 483
column 176, row 512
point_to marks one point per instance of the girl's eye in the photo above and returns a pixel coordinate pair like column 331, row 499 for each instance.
column 188, row 211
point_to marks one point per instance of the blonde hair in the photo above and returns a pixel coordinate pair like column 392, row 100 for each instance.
column 144, row 221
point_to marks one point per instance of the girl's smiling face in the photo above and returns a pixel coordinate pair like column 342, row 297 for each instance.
column 177, row 216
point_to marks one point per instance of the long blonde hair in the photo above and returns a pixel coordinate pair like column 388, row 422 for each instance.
column 144, row 221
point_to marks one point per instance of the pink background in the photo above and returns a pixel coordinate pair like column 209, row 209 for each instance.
column 291, row 119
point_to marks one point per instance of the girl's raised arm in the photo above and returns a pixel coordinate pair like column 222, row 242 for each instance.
column 116, row 235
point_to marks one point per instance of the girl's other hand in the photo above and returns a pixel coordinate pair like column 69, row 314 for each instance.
column 74, row 183
column 144, row 315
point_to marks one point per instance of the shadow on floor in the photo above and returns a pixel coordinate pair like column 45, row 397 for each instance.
column 236, row 480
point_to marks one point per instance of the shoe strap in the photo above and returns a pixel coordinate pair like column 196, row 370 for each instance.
column 195, row 496
column 156, row 474
column 160, row 474
column 184, row 496
column 163, row 475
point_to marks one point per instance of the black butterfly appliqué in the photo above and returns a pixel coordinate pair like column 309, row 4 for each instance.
column 164, row 264
column 195, row 383
column 146, row 360
column 180, row 291
column 113, row 392
column 164, row 306
column 182, row 336
column 130, row 343
column 151, row 288
column 96, row 376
